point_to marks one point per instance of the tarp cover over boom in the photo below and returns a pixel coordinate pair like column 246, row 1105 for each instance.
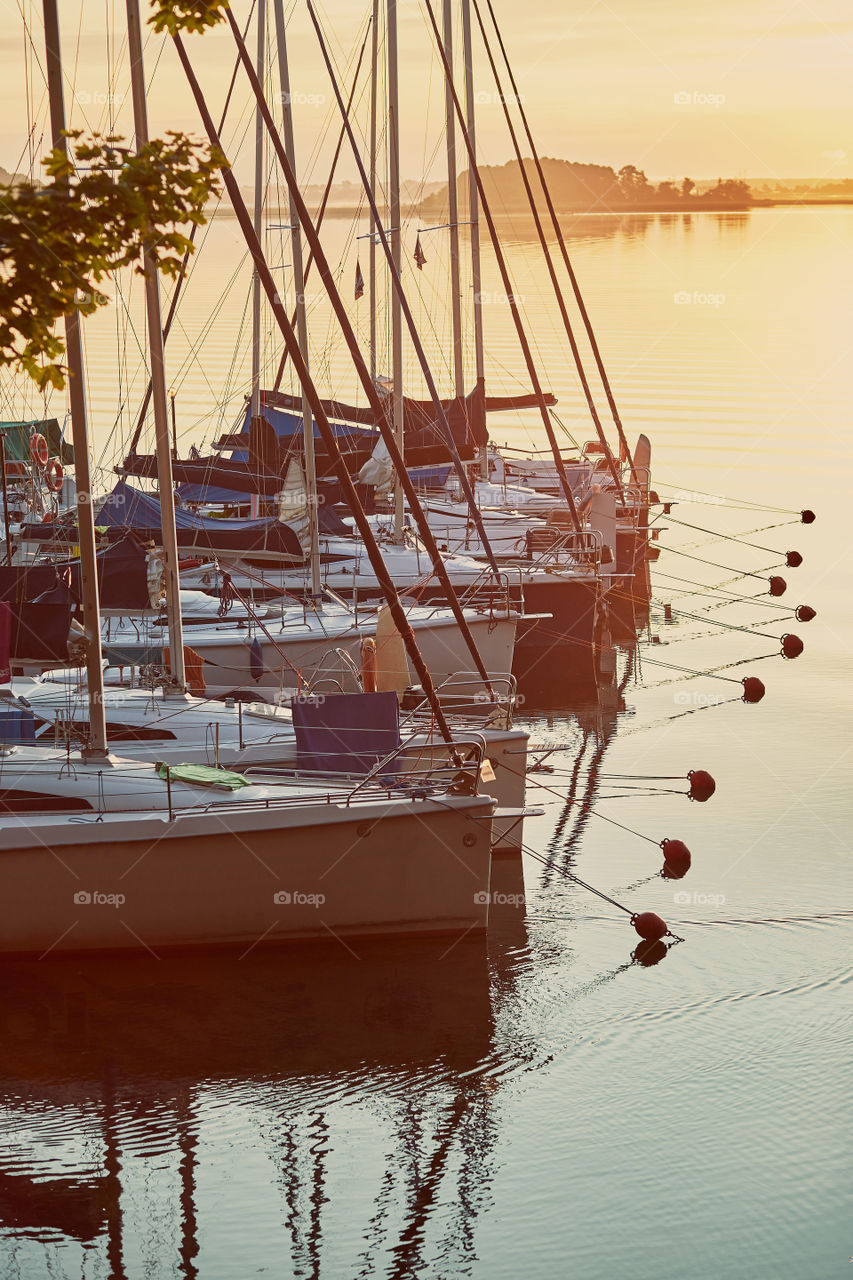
column 128, row 508
column 34, row 631
column 122, row 578
column 466, row 415
column 17, row 436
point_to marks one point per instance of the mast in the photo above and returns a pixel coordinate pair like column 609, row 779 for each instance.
column 97, row 745
column 546, row 253
column 374, row 554
column 321, row 212
column 473, row 212
column 158, row 379
column 257, row 221
column 301, row 315
column 371, row 258
column 179, row 283
column 453, row 213
column 396, row 284
column 396, row 256
column 558, row 231
column 358, row 360
column 505, row 278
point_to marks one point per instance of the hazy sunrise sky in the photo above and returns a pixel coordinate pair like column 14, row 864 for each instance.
column 751, row 88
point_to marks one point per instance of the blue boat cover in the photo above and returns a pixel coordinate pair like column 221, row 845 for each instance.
column 212, row 493
column 286, row 424
column 346, row 732
column 128, row 508
column 327, row 518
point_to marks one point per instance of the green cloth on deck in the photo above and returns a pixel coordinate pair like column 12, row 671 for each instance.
column 203, row 775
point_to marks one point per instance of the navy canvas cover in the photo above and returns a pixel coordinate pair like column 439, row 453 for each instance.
column 345, row 732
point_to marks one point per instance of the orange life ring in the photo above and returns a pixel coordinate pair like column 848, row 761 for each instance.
column 53, row 474
column 39, row 451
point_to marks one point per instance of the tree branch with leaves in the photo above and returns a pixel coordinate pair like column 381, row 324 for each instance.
column 61, row 238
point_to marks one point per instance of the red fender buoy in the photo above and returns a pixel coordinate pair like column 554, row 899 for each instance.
column 804, row 613
column 649, row 926
column 778, row 586
column 793, row 559
column 702, row 785
column 792, row 646
column 753, row 689
column 676, row 859
column 808, row 517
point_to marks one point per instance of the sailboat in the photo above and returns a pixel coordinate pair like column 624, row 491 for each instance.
column 202, row 858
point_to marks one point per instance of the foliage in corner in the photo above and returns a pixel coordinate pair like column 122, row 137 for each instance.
column 176, row 16
column 100, row 205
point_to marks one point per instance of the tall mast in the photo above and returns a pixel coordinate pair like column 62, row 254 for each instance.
column 158, row 377
column 549, row 262
column 257, row 220
column 352, row 343
column 555, row 222
column 394, row 215
column 401, row 620
column 371, row 253
column 505, row 277
column 473, row 212
column 396, row 283
column 453, row 212
column 301, row 316
column 97, row 746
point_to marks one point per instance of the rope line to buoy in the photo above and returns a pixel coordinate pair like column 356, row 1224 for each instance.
column 713, row 622
column 728, row 597
column 731, row 537
column 712, row 671
column 595, row 814
column 569, row 875
column 746, row 573
column 742, row 503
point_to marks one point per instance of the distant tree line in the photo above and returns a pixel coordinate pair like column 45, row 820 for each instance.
column 590, row 187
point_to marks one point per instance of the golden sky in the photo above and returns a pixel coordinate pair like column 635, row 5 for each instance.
column 752, row 88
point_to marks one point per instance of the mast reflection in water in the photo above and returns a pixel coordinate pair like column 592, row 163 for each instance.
column 155, row 1108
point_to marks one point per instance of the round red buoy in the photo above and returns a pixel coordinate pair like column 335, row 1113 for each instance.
column 793, row 559
column 649, row 926
column 778, row 586
column 649, row 953
column 702, row 785
column 753, row 689
column 805, row 613
column 792, row 646
column 676, row 859
column 808, row 517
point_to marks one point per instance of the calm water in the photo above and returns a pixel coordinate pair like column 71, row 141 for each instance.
column 548, row 1108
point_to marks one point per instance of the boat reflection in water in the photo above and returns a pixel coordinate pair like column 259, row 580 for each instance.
column 173, row 1116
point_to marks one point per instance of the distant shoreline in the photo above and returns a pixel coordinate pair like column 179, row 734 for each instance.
column 699, row 206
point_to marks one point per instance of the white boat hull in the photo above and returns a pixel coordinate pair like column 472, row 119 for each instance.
column 290, row 661
column 120, row 881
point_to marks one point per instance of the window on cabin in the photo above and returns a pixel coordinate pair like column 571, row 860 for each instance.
column 40, row 802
